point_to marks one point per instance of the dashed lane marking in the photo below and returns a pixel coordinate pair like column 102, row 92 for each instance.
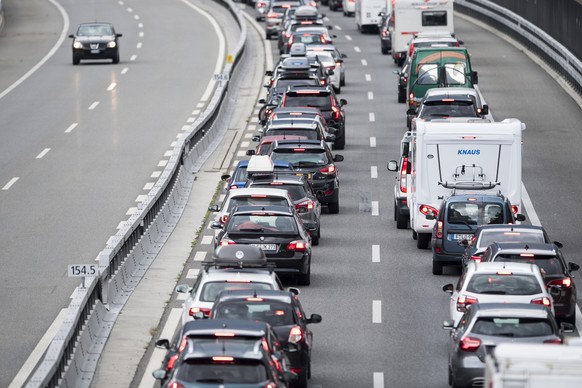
column 206, row 240
column 372, row 141
column 200, row 255
column 374, row 172
column 375, row 208
column 11, row 182
column 43, row 153
column 376, row 311
column 375, row 253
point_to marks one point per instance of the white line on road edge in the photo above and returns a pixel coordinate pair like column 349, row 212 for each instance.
column 372, row 141
column 159, row 354
column 375, row 253
column 200, row 256
column 206, row 240
column 375, row 208
column 43, row 153
column 10, row 183
column 156, row 174
column 374, row 172
column 376, row 311
column 192, row 273
column 38, row 351
column 528, row 205
column 149, row 186
column 378, row 380
column 71, row 127
column 221, row 47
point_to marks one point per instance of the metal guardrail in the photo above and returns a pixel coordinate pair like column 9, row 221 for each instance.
column 72, row 355
column 565, row 62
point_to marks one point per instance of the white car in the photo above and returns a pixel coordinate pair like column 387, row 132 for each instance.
column 349, row 7
column 337, row 57
column 497, row 283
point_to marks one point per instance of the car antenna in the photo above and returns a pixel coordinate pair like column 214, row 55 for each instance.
column 254, row 293
column 526, row 246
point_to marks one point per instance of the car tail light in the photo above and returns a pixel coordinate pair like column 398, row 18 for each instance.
column 410, row 49
column 194, row 310
column 295, row 335
column 564, row 282
column 322, row 82
column 543, row 301
column 469, row 344
column 307, row 204
column 226, row 242
column 385, row 32
column 439, row 230
column 261, row 4
column 322, row 39
column 233, row 187
column 272, row 15
column 514, row 209
column 290, row 42
column 336, row 113
column 253, row 299
column 222, row 358
column 463, row 301
column 175, row 384
column 171, row 362
column 270, row 385
column 286, row 35
column 183, row 344
column 297, row 246
column 328, row 170
column 411, row 99
column 223, row 219
column 476, row 258
column 403, row 170
column 295, row 370
column 556, row 341
column 427, row 209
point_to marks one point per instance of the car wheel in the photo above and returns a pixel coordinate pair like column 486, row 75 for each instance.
column 315, row 239
column 423, row 240
column 408, row 121
column 304, row 279
column 571, row 319
column 268, row 36
column 76, row 60
column 414, row 234
column 115, row 58
column 339, row 144
column 343, row 81
column 450, row 376
column 337, row 90
column 437, row 269
column 333, row 207
column 301, row 380
column 385, row 51
column 401, row 221
column 395, row 212
column 401, row 97
column 400, row 62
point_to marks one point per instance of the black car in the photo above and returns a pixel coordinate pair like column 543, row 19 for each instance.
column 486, row 325
column 325, row 100
column 278, row 230
column 316, row 160
column 283, row 311
column 402, row 80
column 297, row 66
column 335, row 5
column 95, row 41
column 385, row 31
column 556, row 271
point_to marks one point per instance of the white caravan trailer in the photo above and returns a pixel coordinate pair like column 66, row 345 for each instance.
column 464, row 155
column 414, row 16
column 368, row 13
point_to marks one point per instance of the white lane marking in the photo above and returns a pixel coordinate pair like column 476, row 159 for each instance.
column 133, row 57
column 200, row 256
column 156, row 174
column 130, row 10
column 43, row 153
column 131, row 211
column 38, row 351
column 375, row 208
column 93, row 105
column 71, row 127
column 357, row 49
column 339, row 28
column 111, row 86
column 180, row 296
column 221, row 47
column 374, row 172
column 378, row 378
column 196, row 112
column 186, row 127
column 235, row 162
column 192, row 273
column 51, row 52
column 121, row 225
column 141, row 34
column 168, row 153
column 120, row 2
column 140, row 25
column 372, row 141
column 172, row 144
column 370, row 95
column 364, row 62
column 248, row 135
column 241, row 153
column 191, row 120
column 244, row 144
column 125, row 69
column 372, row 117
column 200, row 105
column 368, row 77
column 348, row 37
column 221, row 197
column 206, row 240
column 528, row 205
column 158, row 355
column 141, row 198
column 138, row 45
column 376, row 311
column 136, row 17
column 149, row 186
column 12, row 181
column 375, row 253
column 162, row 163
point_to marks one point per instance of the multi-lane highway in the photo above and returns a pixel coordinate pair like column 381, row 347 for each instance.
column 381, row 305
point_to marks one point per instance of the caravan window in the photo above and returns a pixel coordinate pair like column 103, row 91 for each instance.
column 455, row 73
column 428, row 74
column 434, row 18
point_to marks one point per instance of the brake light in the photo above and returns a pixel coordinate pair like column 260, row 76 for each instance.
column 306, row 22
column 565, row 282
column 307, row 204
column 514, row 209
column 258, row 195
column 171, row 362
column 411, row 48
column 295, row 335
column 439, row 230
column 448, row 100
column 463, row 301
column 556, row 341
column 331, row 169
column 238, row 281
column 194, row 310
column 290, row 42
column 226, row 242
column 526, row 254
column 411, row 99
column 183, row 344
column 336, row 113
column 222, row 358
column 469, row 344
column 297, row 246
column 272, row 15
column 175, row 384
column 322, row 39
column 322, row 82
column 255, row 299
column 427, row 209
column 504, row 273
column 543, row 301
column 223, row 219
column 269, row 385
column 233, row 187
column 403, row 170
column 286, row 35
column 298, row 149
column 476, row 259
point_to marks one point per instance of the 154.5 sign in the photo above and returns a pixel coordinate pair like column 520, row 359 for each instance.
column 82, row 270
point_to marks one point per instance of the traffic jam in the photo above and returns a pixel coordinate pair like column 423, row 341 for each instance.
column 457, row 191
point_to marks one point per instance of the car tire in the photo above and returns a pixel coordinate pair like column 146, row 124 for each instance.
column 401, row 221
column 333, row 207
column 115, row 58
column 414, row 235
column 343, row 81
column 401, row 97
column 395, row 212
column 339, row 144
column 450, row 376
column 423, row 239
column 437, row 269
column 304, row 279
column 571, row 319
column 76, row 60
column 301, row 380
column 268, row 36
column 315, row 239
column 338, row 90
column 384, row 50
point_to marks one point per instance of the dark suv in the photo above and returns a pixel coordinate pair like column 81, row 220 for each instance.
column 556, row 272
column 316, row 160
column 457, row 220
column 323, row 98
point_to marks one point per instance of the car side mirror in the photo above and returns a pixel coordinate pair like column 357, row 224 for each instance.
column 71, row 36
column 520, row 217
column 225, row 177
column 334, row 36
column 330, row 138
column 573, row 266
column 397, row 72
column 256, row 138
column 314, row 318
column 215, row 225
column 159, row 374
column 448, row 288
column 464, row 243
column 119, row 35
column 182, row 288
column 485, row 110
column 344, row 55
column 338, row 158
column 558, row 244
column 339, row 60
column 343, row 101
column 250, row 152
column 262, row 101
column 294, row 290
column 474, row 77
column 461, row 42
column 449, row 325
column 392, row 165
column 566, row 327
column 411, row 112
column 269, row 73
column 162, row 344
column 330, row 72
column 266, row 86
column 213, row 208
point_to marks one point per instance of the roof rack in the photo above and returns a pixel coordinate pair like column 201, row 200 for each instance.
column 237, row 256
column 469, row 185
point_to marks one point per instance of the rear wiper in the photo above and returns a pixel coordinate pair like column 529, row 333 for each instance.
column 507, row 334
column 261, row 230
column 216, row 381
column 494, row 292
column 299, row 164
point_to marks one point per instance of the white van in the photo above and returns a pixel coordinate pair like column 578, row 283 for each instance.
column 465, row 155
column 414, row 16
column 367, row 14
column 514, row 365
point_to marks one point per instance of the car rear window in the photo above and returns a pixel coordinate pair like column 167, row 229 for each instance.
column 549, row 265
column 205, row 371
column 242, row 173
column 307, row 158
column 263, row 223
column 273, row 312
column 475, row 213
column 513, row 327
column 489, row 237
column 283, row 83
column 210, row 290
column 493, row 284
column 448, row 109
column 265, row 201
column 310, row 134
column 315, row 100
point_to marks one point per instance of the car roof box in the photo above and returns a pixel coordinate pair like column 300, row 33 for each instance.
column 237, row 256
column 260, row 164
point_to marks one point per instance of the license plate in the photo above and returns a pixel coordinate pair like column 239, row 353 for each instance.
column 95, row 51
column 460, row 236
column 266, row 247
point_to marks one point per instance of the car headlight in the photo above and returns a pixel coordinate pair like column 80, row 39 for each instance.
column 111, row 44
column 77, row 44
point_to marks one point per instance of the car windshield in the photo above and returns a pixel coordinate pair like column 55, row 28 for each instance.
column 94, row 30
column 273, row 312
column 494, row 284
column 210, row 290
column 324, row 56
column 525, row 236
column 308, row 38
column 474, row 213
column 549, row 265
column 263, row 223
column 256, row 200
column 513, row 327
column 210, row 372
column 448, row 109
column 301, row 159
column 316, row 100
